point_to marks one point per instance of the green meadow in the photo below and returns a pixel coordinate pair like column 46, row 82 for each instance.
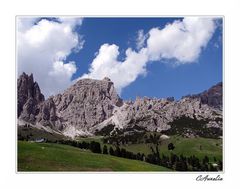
column 57, row 157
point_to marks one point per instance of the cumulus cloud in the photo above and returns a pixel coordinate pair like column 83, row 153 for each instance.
column 42, row 48
column 44, row 44
column 121, row 73
column 182, row 41
column 141, row 38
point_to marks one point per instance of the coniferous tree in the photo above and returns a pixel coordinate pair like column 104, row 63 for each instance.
column 220, row 164
column 117, row 152
column 212, row 168
column 95, row 147
column 171, row 146
column 123, row 152
column 111, row 151
column 204, row 167
column 181, row 166
column 105, row 150
column 156, row 141
column 205, row 160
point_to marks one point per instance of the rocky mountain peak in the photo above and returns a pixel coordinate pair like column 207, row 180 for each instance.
column 86, row 103
column 89, row 105
column 29, row 94
column 107, row 79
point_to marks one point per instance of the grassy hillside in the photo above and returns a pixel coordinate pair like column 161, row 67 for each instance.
column 199, row 147
column 185, row 146
column 57, row 157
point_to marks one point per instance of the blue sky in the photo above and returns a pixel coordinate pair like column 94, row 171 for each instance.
column 120, row 31
column 166, row 75
column 162, row 80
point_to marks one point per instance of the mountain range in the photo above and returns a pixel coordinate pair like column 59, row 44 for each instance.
column 91, row 107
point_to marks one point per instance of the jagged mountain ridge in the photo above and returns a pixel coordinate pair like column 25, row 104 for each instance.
column 91, row 105
column 86, row 103
column 29, row 96
column 212, row 97
column 32, row 106
column 157, row 114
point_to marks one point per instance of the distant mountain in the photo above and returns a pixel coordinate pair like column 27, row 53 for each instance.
column 160, row 114
column 91, row 107
column 212, row 97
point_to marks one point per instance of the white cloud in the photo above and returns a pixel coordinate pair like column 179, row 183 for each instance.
column 141, row 38
column 43, row 48
column 70, row 21
column 25, row 23
column 121, row 73
column 182, row 41
column 44, row 45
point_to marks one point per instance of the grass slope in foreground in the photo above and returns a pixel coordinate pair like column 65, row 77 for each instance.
column 57, row 157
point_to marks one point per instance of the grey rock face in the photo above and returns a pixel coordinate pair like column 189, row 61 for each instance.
column 156, row 114
column 90, row 105
column 86, row 103
column 212, row 97
column 47, row 114
column 29, row 96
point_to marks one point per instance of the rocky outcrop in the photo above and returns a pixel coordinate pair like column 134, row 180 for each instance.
column 86, row 103
column 47, row 115
column 90, row 105
column 212, row 97
column 29, row 96
column 157, row 114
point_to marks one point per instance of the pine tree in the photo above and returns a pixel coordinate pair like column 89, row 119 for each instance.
column 95, row 147
column 111, row 151
column 171, row 146
column 117, row 152
column 105, row 150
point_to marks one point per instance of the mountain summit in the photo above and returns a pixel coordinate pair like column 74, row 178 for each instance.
column 29, row 96
column 90, row 106
column 83, row 105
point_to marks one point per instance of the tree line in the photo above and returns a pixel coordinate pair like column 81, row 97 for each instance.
column 174, row 162
column 95, row 147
